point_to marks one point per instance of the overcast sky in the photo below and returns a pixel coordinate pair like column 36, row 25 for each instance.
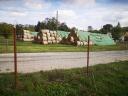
column 78, row 13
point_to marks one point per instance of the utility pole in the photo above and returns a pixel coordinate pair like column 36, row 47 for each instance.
column 57, row 21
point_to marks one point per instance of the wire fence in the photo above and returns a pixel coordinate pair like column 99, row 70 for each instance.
column 31, row 67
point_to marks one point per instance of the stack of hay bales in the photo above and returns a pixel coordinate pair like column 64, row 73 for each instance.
column 48, row 37
column 83, row 43
column 27, row 35
column 43, row 36
column 79, row 38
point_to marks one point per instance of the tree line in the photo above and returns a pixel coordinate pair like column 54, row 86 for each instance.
column 115, row 31
column 52, row 24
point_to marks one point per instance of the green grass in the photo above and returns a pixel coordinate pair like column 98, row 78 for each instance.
column 109, row 80
column 29, row 47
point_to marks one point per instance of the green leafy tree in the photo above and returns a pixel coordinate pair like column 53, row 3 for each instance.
column 19, row 31
column 107, row 28
column 38, row 26
column 51, row 24
column 117, row 31
column 6, row 32
column 63, row 27
column 29, row 27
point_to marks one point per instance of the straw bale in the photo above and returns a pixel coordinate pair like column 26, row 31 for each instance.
column 49, row 41
column 53, row 41
column 85, row 43
column 44, row 38
column 48, row 34
column 53, row 38
column 45, row 42
column 81, row 43
column 78, row 43
column 45, row 31
column 49, row 38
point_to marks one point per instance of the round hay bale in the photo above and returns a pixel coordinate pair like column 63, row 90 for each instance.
column 51, row 32
column 44, row 38
column 85, row 43
column 44, row 30
column 59, row 38
column 52, row 35
column 91, row 43
column 48, row 34
column 71, row 39
column 45, row 42
column 49, row 38
column 53, row 41
column 78, row 43
column 53, row 38
column 44, row 35
column 49, row 41
column 57, row 41
column 81, row 43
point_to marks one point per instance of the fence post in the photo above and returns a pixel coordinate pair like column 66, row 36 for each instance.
column 88, row 50
column 15, row 57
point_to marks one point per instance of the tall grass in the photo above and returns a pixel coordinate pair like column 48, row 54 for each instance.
column 103, row 80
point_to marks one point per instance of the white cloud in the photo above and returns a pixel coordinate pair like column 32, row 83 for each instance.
column 36, row 4
column 80, row 2
column 66, row 13
column 14, row 13
column 33, row 4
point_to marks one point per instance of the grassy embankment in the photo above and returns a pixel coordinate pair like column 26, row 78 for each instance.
column 109, row 80
column 29, row 47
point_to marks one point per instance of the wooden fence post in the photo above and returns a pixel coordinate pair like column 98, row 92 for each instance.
column 88, row 50
column 15, row 57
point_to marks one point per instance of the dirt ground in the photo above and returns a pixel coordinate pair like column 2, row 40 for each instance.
column 33, row 62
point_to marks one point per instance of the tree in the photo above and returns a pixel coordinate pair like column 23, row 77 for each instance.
column 29, row 27
column 107, row 29
column 19, row 31
column 117, row 31
column 6, row 31
column 38, row 26
column 63, row 27
column 73, row 29
column 51, row 24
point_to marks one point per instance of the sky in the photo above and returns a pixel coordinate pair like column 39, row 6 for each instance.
column 75, row 13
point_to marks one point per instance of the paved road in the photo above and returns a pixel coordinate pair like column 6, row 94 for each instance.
column 33, row 62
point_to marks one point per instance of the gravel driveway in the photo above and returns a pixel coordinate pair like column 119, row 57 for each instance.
column 33, row 62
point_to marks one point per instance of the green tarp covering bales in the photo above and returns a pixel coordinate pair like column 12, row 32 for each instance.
column 96, row 38
column 34, row 33
column 63, row 34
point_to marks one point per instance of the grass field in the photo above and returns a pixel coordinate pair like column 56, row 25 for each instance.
column 24, row 47
column 108, row 80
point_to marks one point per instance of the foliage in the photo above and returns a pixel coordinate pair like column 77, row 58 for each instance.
column 107, row 28
column 19, row 30
column 6, row 30
column 29, row 27
column 51, row 24
column 63, row 27
column 106, row 80
column 116, row 33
